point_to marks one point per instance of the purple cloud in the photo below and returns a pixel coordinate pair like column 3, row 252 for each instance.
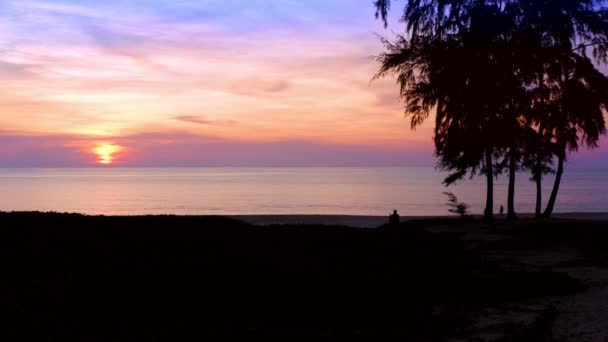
column 182, row 149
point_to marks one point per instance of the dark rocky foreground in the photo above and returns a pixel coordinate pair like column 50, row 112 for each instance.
column 164, row 278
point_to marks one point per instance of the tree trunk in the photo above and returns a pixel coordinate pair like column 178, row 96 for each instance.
column 489, row 211
column 511, row 195
column 558, row 179
column 539, row 164
column 539, row 191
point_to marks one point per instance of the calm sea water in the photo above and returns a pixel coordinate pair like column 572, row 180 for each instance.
column 234, row 191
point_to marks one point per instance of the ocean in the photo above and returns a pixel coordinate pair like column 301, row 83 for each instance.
column 413, row 191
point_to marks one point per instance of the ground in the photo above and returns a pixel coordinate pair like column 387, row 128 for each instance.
column 74, row 278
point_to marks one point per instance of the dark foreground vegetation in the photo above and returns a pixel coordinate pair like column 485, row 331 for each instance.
column 77, row 278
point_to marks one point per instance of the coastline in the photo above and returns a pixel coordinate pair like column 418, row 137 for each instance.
column 355, row 221
column 371, row 221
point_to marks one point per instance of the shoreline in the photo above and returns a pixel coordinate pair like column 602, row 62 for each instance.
column 363, row 221
column 356, row 221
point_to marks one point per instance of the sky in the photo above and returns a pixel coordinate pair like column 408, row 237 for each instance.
column 200, row 83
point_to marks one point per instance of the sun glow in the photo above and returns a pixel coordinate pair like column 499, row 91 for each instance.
column 106, row 153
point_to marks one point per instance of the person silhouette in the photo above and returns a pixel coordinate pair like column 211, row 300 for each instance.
column 502, row 210
column 394, row 218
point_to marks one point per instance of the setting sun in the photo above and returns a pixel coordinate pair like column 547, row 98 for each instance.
column 106, row 153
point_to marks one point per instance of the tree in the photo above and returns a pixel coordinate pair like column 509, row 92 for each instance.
column 448, row 62
column 579, row 101
column 455, row 206
column 505, row 81
column 568, row 89
column 513, row 137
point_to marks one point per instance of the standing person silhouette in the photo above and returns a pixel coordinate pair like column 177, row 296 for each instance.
column 502, row 210
column 394, row 218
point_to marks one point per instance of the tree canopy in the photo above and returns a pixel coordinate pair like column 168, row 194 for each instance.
column 509, row 82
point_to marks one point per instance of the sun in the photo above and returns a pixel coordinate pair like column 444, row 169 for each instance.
column 106, row 153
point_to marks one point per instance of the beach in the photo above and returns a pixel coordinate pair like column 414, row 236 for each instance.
column 376, row 221
column 75, row 277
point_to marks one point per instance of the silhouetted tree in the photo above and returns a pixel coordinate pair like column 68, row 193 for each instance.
column 455, row 206
column 568, row 88
column 580, row 97
column 513, row 136
column 506, row 83
column 450, row 61
column 513, row 131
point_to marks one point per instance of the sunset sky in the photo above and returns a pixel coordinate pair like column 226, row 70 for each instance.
column 205, row 82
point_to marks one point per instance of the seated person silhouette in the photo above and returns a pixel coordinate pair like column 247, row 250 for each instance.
column 394, row 218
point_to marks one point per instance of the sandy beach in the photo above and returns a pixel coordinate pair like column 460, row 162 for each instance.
column 376, row 221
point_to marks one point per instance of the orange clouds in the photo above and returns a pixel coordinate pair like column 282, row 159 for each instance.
column 124, row 76
column 85, row 73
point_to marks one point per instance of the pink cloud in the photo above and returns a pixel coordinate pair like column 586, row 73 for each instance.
column 195, row 119
column 40, row 151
